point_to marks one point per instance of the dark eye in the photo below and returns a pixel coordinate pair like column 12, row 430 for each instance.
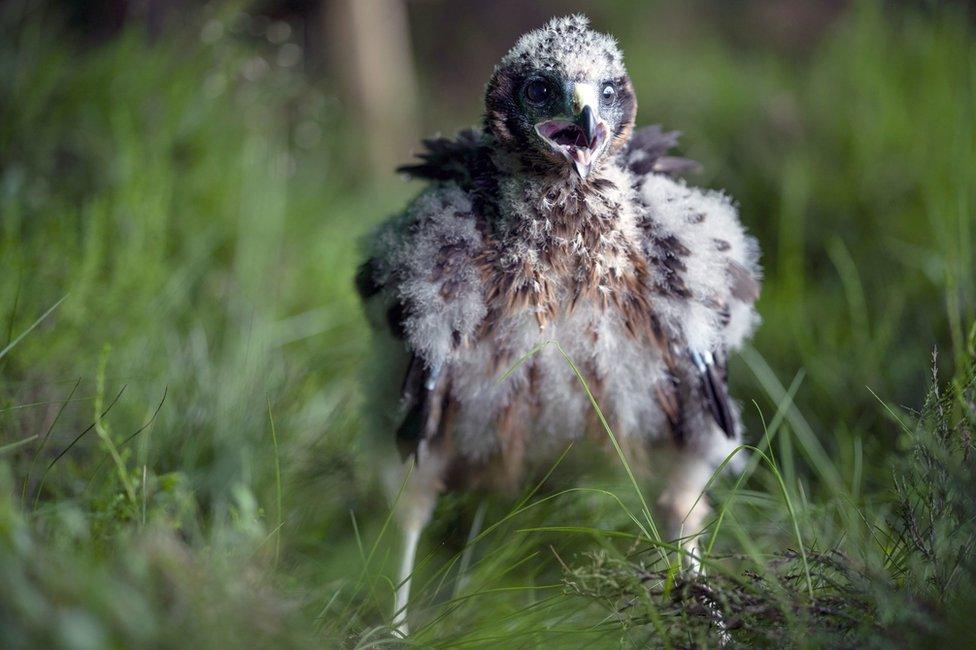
column 537, row 91
column 608, row 92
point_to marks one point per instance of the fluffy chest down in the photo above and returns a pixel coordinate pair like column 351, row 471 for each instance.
column 644, row 283
column 516, row 390
column 567, row 284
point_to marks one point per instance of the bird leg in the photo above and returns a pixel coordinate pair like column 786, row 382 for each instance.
column 684, row 506
column 413, row 510
column 479, row 519
column 411, row 537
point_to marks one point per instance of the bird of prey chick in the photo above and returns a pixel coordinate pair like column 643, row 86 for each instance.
column 556, row 221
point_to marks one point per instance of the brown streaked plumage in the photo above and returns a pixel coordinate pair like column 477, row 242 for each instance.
column 557, row 221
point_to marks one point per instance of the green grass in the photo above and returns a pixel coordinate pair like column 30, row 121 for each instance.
column 182, row 459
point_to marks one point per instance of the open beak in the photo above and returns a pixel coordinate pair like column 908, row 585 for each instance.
column 579, row 139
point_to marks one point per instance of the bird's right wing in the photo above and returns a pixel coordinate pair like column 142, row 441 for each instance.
column 448, row 159
column 422, row 389
column 422, row 399
column 423, row 285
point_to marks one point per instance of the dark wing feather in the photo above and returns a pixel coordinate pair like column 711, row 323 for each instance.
column 367, row 285
column 422, row 397
column 422, row 393
column 447, row 159
column 714, row 390
column 465, row 160
column 647, row 150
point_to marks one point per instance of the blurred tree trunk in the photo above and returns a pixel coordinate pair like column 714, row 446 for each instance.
column 373, row 59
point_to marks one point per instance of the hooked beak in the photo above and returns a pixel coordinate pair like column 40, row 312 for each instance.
column 581, row 139
column 587, row 122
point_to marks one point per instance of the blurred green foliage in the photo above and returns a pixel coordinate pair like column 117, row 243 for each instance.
column 191, row 204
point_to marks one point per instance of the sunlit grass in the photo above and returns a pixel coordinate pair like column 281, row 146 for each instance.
column 182, row 458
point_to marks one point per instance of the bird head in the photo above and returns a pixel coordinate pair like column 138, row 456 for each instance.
column 561, row 97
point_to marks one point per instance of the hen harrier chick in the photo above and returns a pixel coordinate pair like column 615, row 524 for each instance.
column 556, row 222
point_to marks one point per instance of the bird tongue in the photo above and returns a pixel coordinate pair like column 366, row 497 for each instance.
column 566, row 134
column 581, row 160
column 569, row 138
column 580, row 156
column 573, row 136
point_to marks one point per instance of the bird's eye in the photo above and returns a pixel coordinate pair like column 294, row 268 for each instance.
column 537, row 91
column 609, row 92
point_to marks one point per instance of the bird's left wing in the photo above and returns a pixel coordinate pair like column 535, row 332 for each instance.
column 706, row 277
column 647, row 152
column 714, row 389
